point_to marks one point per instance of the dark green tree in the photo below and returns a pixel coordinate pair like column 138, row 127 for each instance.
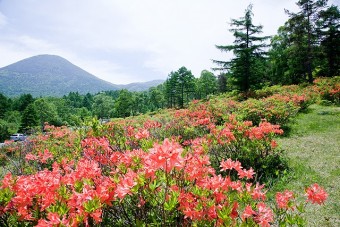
column 103, row 106
column 249, row 52
column 14, row 121
column 180, row 87
column 88, row 101
column 206, row 84
column 46, row 112
column 29, row 118
column 304, row 38
column 22, row 102
column 186, row 86
column 278, row 55
column 74, row 99
column 222, row 82
column 124, row 104
column 141, row 102
column 328, row 27
column 170, row 91
column 5, row 105
column 156, row 97
column 4, row 130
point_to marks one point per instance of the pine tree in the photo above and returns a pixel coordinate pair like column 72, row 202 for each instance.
column 329, row 30
column 179, row 87
column 304, row 36
column 29, row 118
column 249, row 51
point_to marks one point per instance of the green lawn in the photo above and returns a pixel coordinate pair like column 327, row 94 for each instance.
column 313, row 149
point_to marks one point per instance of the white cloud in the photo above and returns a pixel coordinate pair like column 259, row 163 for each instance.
column 128, row 41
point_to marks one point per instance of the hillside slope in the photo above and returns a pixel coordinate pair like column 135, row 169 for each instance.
column 50, row 75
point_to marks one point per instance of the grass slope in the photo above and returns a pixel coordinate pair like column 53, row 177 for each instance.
column 313, row 149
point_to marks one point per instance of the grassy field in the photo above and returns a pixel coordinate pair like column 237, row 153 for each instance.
column 313, row 148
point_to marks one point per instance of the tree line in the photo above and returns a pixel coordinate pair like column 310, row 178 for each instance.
column 27, row 114
column 306, row 46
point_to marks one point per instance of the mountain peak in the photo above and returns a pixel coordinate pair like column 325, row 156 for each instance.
column 40, row 63
column 48, row 75
column 52, row 75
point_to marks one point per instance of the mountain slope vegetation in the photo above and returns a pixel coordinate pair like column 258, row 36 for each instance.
column 51, row 75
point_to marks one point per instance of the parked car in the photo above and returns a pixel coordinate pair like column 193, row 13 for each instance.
column 18, row 137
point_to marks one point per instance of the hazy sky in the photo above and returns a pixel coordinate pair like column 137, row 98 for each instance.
column 125, row 41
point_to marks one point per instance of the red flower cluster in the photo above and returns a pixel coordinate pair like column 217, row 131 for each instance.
column 283, row 199
column 316, row 194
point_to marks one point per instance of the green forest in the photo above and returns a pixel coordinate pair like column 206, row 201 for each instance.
column 305, row 47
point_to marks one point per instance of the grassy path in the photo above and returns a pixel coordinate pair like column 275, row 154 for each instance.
column 313, row 149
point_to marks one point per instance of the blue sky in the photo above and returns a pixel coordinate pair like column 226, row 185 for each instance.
column 124, row 41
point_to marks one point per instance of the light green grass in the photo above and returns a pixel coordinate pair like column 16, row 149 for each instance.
column 313, row 149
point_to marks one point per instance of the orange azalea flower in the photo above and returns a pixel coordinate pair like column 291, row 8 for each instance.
column 264, row 215
column 142, row 134
column 248, row 212
column 316, row 194
column 282, row 199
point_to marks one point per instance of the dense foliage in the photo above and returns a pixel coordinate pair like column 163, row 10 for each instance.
column 197, row 166
column 27, row 114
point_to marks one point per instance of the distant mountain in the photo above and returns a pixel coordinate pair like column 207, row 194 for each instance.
column 50, row 75
column 141, row 86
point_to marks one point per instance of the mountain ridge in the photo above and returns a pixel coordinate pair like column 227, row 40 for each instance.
column 52, row 75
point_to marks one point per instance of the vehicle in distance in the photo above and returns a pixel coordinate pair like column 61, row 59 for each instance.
column 18, row 137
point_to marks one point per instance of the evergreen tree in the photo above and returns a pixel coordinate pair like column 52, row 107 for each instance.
column 22, row 102
column 29, row 118
column 222, row 82
column 206, row 84
column 186, row 88
column 171, row 85
column 156, row 97
column 249, row 51
column 4, row 105
column 329, row 29
column 304, row 38
column 180, row 87
column 74, row 99
column 124, row 104
column 278, row 55
column 88, row 101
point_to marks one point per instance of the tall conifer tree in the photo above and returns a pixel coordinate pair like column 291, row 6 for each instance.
column 249, row 51
column 304, row 35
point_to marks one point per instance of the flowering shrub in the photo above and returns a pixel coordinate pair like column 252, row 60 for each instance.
column 254, row 146
column 168, row 185
column 329, row 88
column 276, row 109
column 201, row 166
